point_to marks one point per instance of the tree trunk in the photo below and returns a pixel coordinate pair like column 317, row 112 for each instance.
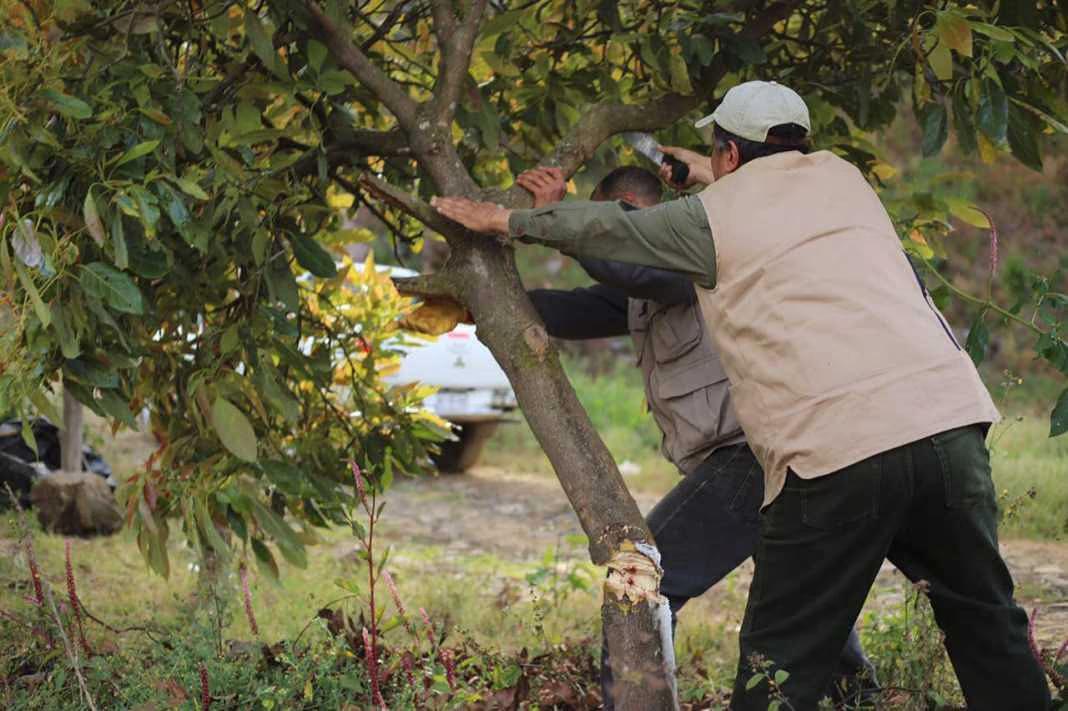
column 70, row 444
column 640, row 652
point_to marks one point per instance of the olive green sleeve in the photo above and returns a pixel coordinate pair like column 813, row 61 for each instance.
column 673, row 235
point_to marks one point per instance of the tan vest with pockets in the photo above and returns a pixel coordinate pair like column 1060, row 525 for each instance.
column 685, row 385
column 833, row 350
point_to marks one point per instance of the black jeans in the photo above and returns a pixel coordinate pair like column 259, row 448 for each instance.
column 929, row 507
column 707, row 526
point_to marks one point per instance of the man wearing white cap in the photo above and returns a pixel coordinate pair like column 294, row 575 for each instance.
column 868, row 418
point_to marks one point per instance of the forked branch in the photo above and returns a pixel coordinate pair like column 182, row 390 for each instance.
column 349, row 56
column 456, row 41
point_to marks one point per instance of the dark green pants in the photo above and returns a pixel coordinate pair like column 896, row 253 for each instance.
column 929, row 507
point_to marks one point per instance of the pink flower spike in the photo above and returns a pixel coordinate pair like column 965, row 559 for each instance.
column 429, row 627
column 35, row 574
column 248, row 600
column 72, row 594
column 450, row 667
column 357, row 476
column 372, row 669
column 205, row 690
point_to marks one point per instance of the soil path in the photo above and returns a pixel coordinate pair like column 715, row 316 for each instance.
column 516, row 517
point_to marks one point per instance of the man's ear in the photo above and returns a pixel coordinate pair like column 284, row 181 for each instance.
column 733, row 157
column 628, row 197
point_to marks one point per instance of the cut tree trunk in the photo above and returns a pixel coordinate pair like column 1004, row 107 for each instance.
column 70, row 443
column 511, row 329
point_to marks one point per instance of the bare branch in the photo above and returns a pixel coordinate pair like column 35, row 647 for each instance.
column 425, row 285
column 456, row 41
column 356, row 63
column 410, row 204
column 358, row 144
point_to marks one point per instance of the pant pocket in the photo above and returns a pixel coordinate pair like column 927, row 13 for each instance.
column 844, row 498
column 965, row 464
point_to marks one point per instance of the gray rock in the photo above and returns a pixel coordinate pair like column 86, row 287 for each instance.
column 76, row 504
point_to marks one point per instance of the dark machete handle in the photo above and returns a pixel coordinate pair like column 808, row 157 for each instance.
column 679, row 170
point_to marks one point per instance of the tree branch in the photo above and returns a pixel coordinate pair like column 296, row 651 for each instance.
column 360, row 143
column 410, row 204
column 356, row 63
column 456, row 41
column 426, row 285
column 606, row 119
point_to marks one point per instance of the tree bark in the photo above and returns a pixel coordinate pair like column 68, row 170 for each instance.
column 512, row 330
column 70, row 443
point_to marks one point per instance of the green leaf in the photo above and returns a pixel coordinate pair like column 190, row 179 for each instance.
column 993, row 111
column 1023, row 137
column 69, row 106
column 316, row 55
column 978, row 339
column 234, row 429
column 190, row 188
column 1058, row 419
column 941, row 60
column 141, row 149
column 262, row 45
column 964, row 123
column 44, row 314
column 312, row 256
column 282, row 285
column 68, row 341
column 277, row 395
column 1053, row 122
column 967, row 212
column 209, row 534
column 117, row 407
column 274, row 526
column 148, row 261
column 265, row 559
column 92, row 218
column 90, row 373
column 118, row 242
column 992, row 31
column 112, row 287
column 754, row 681
column 285, row 476
column 935, row 129
column 955, row 32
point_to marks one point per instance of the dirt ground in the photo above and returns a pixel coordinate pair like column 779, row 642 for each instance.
column 516, row 517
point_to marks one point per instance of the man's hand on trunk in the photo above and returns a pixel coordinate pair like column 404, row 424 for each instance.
column 547, row 185
column 476, row 216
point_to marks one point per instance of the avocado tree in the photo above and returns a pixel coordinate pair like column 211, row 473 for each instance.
column 171, row 168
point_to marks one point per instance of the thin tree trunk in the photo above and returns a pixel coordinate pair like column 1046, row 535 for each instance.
column 509, row 326
column 70, row 445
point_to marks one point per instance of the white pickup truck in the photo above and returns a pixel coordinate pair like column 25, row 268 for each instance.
column 473, row 392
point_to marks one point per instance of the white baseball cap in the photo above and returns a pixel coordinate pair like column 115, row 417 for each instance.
column 748, row 110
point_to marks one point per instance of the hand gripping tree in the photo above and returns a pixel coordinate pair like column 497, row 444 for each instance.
column 276, row 109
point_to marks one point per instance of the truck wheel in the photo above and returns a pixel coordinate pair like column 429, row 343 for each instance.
column 459, row 456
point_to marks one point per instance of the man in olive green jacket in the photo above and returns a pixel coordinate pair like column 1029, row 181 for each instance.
column 867, row 417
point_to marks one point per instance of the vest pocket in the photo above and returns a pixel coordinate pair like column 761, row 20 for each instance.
column 843, row 498
column 675, row 332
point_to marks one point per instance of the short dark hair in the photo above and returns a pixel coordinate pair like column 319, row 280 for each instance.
column 784, row 137
column 630, row 179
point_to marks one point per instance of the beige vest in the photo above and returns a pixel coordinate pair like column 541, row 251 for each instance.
column 833, row 350
column 685, row 385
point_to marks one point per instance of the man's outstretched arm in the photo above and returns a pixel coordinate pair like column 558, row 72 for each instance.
column 674, row 235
